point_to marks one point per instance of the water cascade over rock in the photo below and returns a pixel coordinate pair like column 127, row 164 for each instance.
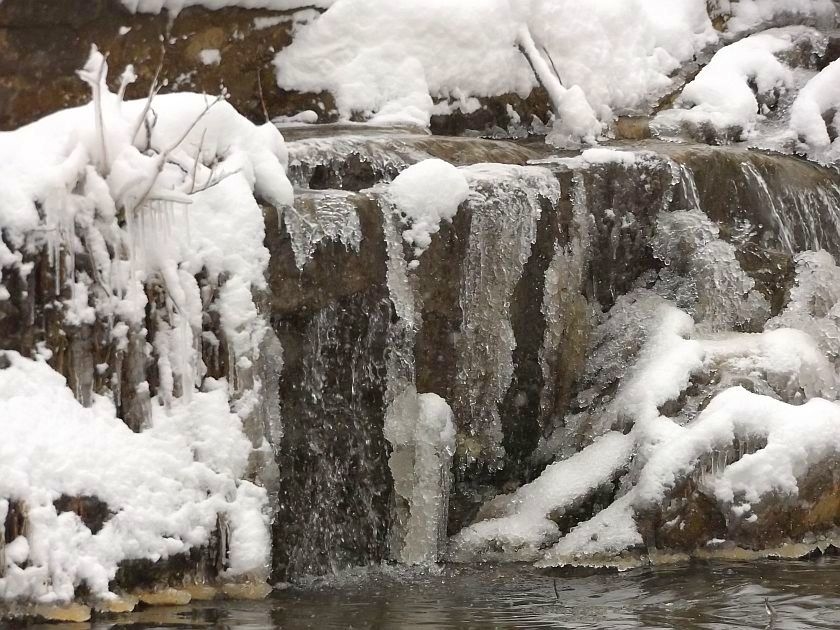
column 233, row 354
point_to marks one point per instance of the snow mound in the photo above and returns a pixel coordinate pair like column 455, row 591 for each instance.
column 813, row 118
column 425, row 194
column 163, row 487
column 738, row 87
column 391, row 61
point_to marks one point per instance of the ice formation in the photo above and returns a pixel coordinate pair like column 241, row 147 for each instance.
column 316, row 217
column 420, row 431
column 505, row 206
column 160, row 198
column 688, row 388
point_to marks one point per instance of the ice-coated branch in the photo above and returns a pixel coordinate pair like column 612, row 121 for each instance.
column 577, row 120
column 162, row 157
column 126, row 78
column 93, row 73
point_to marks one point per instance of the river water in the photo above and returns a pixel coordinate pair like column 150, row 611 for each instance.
column 700, row 596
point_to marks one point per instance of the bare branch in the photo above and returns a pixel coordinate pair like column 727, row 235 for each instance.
column 216, row 181
column 197, row 158
column 162, row 157
column 262, row 97
column 154, row 88
column 553, row 67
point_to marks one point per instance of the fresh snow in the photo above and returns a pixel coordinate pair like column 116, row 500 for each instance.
column 425, row 194
column 210, row 56
column 164, row 486
column 817, row 100
column 186, row 195
column 391, row 61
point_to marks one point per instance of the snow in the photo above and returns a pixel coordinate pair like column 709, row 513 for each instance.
column 164, row 487
column 733, row 90
column 425, row 194
column 394, row 59
column 521, row 521
column 210, row 56
column 819, row 97
column 165, row 200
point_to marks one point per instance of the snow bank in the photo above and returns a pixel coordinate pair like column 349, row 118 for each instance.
column 386, row 59
column 157, row 199
column 425, row 194
column 163, row 487
column 738, row 86
column 813, row 117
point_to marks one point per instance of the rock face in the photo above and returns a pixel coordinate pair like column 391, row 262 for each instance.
column 43, row 43
column 506, row 305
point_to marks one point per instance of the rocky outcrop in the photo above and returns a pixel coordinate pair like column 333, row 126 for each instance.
column 585, row 248
column 42, row 43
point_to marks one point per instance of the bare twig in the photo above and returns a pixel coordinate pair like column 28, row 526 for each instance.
column 154, row 88
column 215, row 181
column 197, row 158
column 553, row 67
column 161, row 158
column 262, row 97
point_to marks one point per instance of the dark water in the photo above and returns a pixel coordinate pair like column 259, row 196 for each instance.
column 707, row 596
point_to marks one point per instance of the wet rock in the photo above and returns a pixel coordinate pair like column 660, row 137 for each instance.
column 42, row 43
column 92, row 511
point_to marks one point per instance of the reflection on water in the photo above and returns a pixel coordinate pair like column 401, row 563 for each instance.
column 707, row 596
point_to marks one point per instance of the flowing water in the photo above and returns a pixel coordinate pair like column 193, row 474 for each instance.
column 699, row 596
